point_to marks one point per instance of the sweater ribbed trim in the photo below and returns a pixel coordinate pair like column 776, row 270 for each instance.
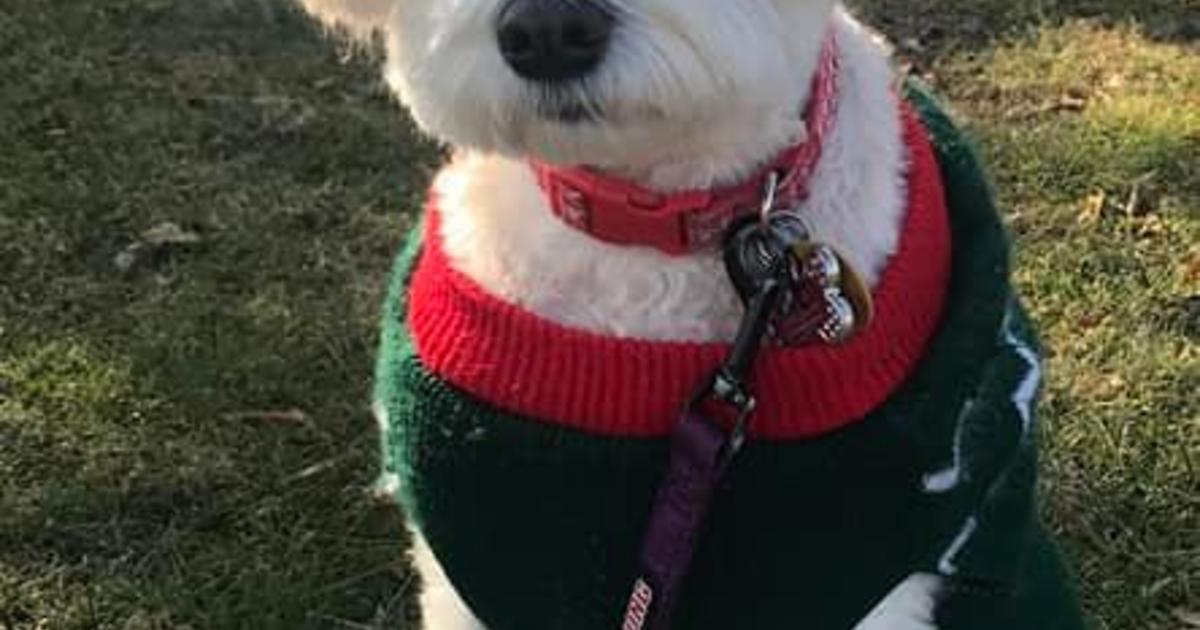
column 528, row 365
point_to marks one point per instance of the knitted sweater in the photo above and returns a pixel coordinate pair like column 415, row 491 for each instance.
column 537, row 518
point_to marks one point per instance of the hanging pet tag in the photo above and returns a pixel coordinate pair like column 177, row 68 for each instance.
column 829, row 301
column 826, row 300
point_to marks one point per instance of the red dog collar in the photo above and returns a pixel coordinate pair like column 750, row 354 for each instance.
column 623, row 213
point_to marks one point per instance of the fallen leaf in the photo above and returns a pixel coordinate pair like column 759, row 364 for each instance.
column 168, row 233
column 1093, row 207
column 290, row 416
column 1070, row 103
column 154, row 241
column 1151, row 226
column 1190, row 268
column 1100, row 387
column 315, row 469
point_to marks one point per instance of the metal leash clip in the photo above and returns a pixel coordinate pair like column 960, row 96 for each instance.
column 729, row 385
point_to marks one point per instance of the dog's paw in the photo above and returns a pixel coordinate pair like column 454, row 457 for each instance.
column 910, row 606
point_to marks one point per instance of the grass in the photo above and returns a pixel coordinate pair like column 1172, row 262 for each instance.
column 143, row 484
column 183, row 436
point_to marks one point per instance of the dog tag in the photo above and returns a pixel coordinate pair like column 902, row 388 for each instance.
column 829, row 301
column 825, row 300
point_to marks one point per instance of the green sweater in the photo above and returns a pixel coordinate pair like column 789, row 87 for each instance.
column 538, row 525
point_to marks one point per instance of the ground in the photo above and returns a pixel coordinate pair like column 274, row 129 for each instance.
column 198, row 203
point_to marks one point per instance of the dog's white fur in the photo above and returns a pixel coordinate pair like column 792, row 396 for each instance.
column 693, row 94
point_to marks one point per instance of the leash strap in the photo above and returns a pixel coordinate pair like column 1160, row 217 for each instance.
column 701, row 451
column 699, row 459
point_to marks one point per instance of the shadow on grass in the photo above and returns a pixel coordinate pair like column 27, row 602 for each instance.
column 924, row 29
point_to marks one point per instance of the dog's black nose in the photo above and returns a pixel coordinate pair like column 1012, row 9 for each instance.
column 553, row 40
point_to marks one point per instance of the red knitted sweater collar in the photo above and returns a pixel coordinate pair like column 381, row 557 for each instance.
column 525, row 364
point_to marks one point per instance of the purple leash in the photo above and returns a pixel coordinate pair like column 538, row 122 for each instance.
column 701, row 452
column 698, row 463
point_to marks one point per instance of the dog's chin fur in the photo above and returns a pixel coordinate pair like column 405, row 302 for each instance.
column 692, row 94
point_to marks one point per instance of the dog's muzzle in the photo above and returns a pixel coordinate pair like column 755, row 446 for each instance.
column 554, row 41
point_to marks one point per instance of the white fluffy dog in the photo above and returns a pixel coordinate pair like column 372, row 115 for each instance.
column 672, row 95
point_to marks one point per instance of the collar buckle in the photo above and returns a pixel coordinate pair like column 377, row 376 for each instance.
column 676, row 224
